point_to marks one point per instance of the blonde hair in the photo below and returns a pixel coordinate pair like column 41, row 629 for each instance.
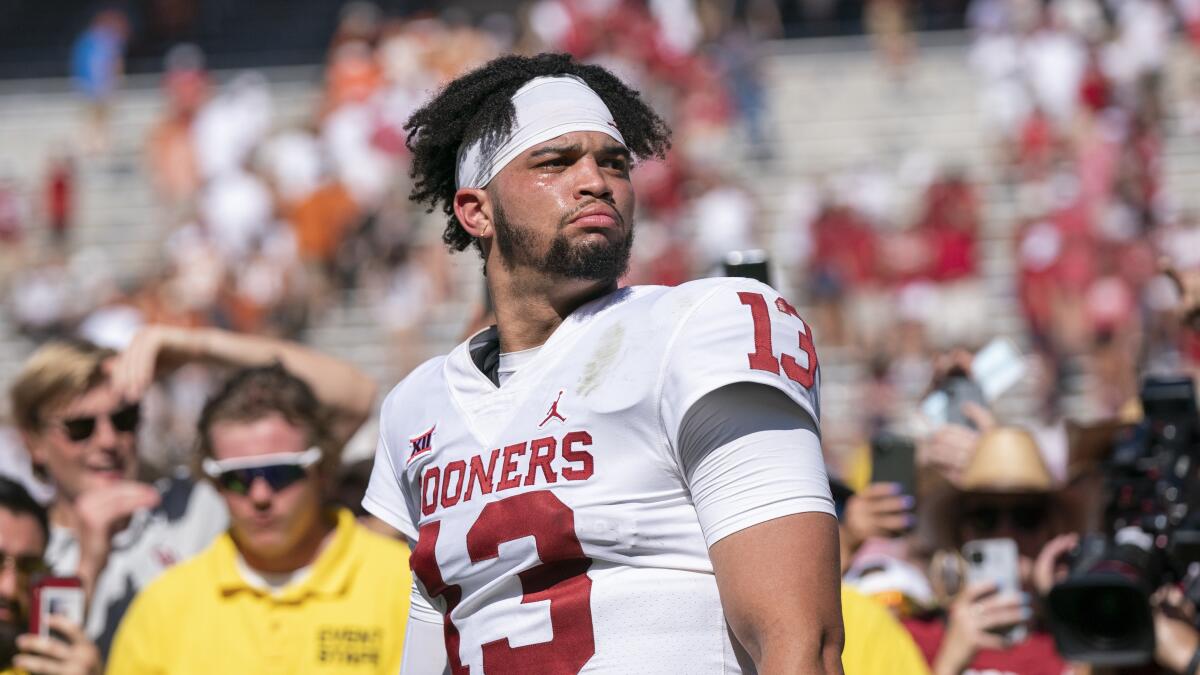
column 53, row 375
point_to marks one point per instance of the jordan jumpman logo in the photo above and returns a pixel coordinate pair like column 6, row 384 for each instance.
column 553, row 411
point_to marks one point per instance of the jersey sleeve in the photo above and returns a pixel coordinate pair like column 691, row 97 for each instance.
column 741, row 331
column 387, row 495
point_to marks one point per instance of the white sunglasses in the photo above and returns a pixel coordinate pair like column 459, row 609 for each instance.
column 279, row 469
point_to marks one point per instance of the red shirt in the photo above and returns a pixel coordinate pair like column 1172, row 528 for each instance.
column 1035, row 656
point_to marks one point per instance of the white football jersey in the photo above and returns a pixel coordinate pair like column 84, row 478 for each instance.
column 554, row 525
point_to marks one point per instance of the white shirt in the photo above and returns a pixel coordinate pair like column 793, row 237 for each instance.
column 553, row 520
column 186, row 521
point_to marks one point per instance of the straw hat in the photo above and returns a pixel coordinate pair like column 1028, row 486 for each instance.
column 1007, row 460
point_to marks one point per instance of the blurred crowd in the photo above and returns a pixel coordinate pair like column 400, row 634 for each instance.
column 269, row 226
column 270, row 222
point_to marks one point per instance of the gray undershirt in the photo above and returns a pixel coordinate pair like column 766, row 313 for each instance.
column 733, row 411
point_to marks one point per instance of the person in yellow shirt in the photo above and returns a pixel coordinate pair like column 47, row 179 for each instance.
column 292, row 587
column 876, row 643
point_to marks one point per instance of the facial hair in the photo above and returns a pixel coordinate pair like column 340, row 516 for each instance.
column 606, row 261
column 9, row 630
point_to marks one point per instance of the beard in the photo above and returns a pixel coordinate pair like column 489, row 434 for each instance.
column 9, row 630
column 604, row 261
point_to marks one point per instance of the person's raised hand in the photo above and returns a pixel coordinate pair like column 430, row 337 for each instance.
column 134, row 369
column 1050, row 566
column 878, row 510
column 74, row 654
column 1175, row 635
column 954, row 361
column 951, row 447
column 974, row 618
column 103, row 512
column 1187, row 284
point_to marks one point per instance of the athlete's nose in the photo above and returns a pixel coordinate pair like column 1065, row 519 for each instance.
column 590, row 180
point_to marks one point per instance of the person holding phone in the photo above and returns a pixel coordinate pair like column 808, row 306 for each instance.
column 1005, row 496
column 24, row 531
column 77, row 408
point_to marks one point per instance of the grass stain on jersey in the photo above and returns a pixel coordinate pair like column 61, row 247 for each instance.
column 602, row 359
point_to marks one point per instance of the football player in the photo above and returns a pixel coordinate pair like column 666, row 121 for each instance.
column 608, row 480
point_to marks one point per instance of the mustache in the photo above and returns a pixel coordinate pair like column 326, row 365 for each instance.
column 14, row 608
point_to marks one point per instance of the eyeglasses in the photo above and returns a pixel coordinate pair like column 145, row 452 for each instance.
column 280, row 470
column 124, row 420
column 1022, row 517
column 24, row 565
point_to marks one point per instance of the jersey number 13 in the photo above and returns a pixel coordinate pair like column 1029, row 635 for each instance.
column 763, row 357
column 561, row 578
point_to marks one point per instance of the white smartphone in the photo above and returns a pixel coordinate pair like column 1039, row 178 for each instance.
column 62, row 596
column 997, row 367
column 994, row 370
column 996, row 561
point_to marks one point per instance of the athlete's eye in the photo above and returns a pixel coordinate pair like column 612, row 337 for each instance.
column 619, row 163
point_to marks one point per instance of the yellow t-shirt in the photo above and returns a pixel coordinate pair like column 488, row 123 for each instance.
column 347, row 616
column 876, row 643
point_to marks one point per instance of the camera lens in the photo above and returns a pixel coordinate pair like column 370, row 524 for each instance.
column 977, row 557
column 1105, row 614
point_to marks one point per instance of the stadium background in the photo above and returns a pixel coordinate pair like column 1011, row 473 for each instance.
column 1002, row 171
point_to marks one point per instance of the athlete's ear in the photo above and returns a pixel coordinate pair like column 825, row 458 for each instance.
column 473, row 208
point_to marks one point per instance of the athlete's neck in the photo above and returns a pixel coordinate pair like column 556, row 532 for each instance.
column 530, row 307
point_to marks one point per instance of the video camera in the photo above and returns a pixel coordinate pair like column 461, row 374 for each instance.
column 1100, row 613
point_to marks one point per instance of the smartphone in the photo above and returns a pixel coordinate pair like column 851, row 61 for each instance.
column 894, row 460
column 995, row 561
column 994, row 370
column 961, row 389
column 751, row 264
column 56, row 595
column 997, row 368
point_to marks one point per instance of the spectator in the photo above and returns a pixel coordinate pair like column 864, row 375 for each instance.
column 12, row 227
column 60, row 198
column 107, row 528
column 1006, row 492
column 319, row 587
column 97, row 63
column 76, row 407
column 45, row 299
column 12, row 212
column 725, row 216
column 170, row 155
column 876, row 643
column 878, row 510
column 888, row 23
column 229, row 125
column 24, row 529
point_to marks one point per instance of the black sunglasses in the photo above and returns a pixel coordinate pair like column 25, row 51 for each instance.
column 1022, row 517
column 280, row 476
column 124, row 420
column 25, row 565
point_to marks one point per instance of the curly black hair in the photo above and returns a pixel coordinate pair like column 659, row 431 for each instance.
column 479, row 105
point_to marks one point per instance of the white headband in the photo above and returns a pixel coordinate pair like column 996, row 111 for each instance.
column 546, row 108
